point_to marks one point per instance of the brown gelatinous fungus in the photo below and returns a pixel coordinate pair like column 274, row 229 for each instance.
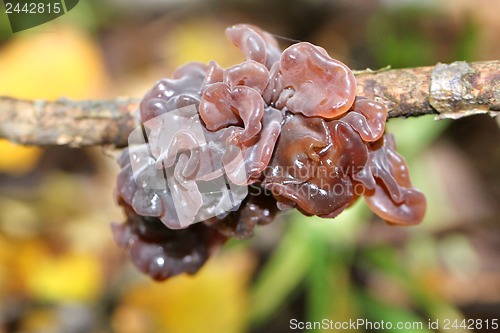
column 315, row 84
column 162, row 252
column 280, row 130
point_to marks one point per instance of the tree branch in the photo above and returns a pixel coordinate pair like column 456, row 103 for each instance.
column 448, row 91
column 65, row 122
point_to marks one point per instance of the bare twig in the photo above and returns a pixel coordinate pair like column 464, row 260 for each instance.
column 448, row 91
column 65, row 122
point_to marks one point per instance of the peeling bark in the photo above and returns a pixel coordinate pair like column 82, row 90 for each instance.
column 448, row 91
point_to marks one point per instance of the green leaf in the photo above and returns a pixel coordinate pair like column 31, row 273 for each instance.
column 282, row 274
column 436, row 307
column 392, row 316
column 319, row 288
column 413, row 135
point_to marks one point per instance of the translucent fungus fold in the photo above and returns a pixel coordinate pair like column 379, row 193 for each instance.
column 321, row 86
column 225, row 149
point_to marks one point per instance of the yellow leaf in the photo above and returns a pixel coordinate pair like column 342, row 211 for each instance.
column 201, row 40
column 17, row 159
column 213, row 300
column 49, row 65
column 68, row 277
column 6, row 253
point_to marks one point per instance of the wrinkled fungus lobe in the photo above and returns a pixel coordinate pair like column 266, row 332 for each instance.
column 287, row 125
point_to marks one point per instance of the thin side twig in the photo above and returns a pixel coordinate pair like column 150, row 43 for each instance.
column 448, row 91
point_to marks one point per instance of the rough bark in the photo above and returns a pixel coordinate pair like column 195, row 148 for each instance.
column 447, row 91
column 65, row 122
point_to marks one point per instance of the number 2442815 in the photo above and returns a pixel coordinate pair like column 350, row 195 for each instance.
column 471, row 324
column 33, row 8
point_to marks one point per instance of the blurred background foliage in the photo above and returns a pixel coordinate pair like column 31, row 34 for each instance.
column 61, row 272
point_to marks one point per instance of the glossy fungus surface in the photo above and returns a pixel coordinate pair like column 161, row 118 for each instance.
column 227, row 148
